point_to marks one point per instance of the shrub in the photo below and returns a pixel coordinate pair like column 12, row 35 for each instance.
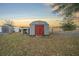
column 68, row 26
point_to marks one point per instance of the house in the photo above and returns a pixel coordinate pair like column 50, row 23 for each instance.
column 6, row 28
column 39, row 28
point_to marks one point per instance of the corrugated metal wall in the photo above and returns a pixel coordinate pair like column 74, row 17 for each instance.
column 32, row 29
column 46, row 29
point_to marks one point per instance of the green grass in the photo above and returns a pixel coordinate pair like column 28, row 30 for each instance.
column 17, row 44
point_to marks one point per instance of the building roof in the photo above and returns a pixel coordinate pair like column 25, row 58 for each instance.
column 39, row 21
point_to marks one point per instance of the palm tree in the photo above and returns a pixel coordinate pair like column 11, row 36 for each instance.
column 66, row 9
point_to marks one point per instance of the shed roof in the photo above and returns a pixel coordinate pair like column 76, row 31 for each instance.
column 39, row 22
column 25, row 28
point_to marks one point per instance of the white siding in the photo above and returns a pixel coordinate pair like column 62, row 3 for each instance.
column 16, row 29
column 0, row 29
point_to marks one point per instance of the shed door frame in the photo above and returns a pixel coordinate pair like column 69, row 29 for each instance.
column 39, row 29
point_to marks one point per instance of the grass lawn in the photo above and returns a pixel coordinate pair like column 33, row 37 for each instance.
column 24, row 45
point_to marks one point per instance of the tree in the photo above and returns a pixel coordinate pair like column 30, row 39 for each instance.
column 66, row 9
column 68, row 25
column 8, row 22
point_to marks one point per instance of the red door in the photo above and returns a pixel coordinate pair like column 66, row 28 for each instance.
column 39, row 30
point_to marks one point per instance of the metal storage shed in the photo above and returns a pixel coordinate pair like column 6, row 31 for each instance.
column 25, row 30
column 39, row 28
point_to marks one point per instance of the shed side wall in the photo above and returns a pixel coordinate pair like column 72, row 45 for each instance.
column 32, row 29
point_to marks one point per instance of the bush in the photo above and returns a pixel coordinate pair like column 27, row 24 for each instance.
column 68, row 26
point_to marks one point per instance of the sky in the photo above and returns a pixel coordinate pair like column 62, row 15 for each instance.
column 24, row 13
column 25, row 10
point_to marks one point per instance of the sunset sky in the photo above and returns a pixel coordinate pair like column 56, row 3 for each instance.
column 24, row 13
column 37, row 10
